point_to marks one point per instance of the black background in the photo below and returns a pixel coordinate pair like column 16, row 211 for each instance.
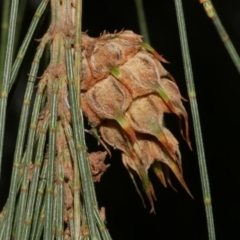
column 217, row 84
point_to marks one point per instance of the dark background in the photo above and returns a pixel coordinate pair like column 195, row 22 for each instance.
column 217, row 84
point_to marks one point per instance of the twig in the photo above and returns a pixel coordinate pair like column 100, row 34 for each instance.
column 196, row 120
column 211, row 12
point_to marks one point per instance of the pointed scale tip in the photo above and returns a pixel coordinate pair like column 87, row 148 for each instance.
column 154, row 52
column 126, row 127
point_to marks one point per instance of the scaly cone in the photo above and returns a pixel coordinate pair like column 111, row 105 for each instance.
column 125, row 92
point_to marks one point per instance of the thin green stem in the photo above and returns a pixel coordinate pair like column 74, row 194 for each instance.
column 142, row 20
column 24, row 46
column 29, row 151
column 59, row 230
column 76, row 183
column 21, row 11
column 77, row 46
column 71, row 222
column 211, row 12
column 37, row 166
column 4, row 32
column 78, row 129
column 55, row 212
column 40, row 194
column 21, row 136
column 196, row 120
column 48, row 225
column 7, row 74
column 2, row 221
column 77, row 62
column 2, row 226
column 22, row 204
column 101, row 226
column 41, row 222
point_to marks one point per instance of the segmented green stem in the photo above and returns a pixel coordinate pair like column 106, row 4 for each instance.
column 71, row 223
column 37, row 166
column 59, row 206
column 77, row 77
column 196, row 120
column 4, row 32
column 76, row 184
column 211, row 12
column 21, row 135
column 2, row 226
column 21, row 11
column 24, row 46
column 40, row 193
column 77, row 46
column 101, row 226
column 48, row 224
column 2, row 221
column 7, row 74
column 54, row 212
column 142, row 20
column 24, row 190
column 41, row 222
column 22, row 203
column 59, row 188
column 4, row 211
column 79, row 137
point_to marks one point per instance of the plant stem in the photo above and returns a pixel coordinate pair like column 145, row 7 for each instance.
column 21, row 11
column 21, row 137
column 7, row 74
column 211, row 12
column 142, row 20
column 48, row 224
column 77, row 46
column 34, row 182
column 41, row 221
column 59, row 231
column 196, row 119
column 56, row 61
column 78, row 129
column 4, row 30
column 77, row 77
column 24, row 46
column 76, row 183
column 39, row 200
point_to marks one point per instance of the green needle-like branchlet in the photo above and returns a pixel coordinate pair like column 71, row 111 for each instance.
column 211, row 12
column 101, row 226
column 19, row 218
column 40, row 196
column 20, row 17
column 77, row 46
column 4, row 34
column 196, row 119
column 48, row 223
column 142, row 20
column 2, row 227
column 76, row 183
column 24, row 46
column 34, row 181
column 79, row 138
column 7, row 75
column 71, row 224
column 18, row 154
column 59, row 224
column 41, row 219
